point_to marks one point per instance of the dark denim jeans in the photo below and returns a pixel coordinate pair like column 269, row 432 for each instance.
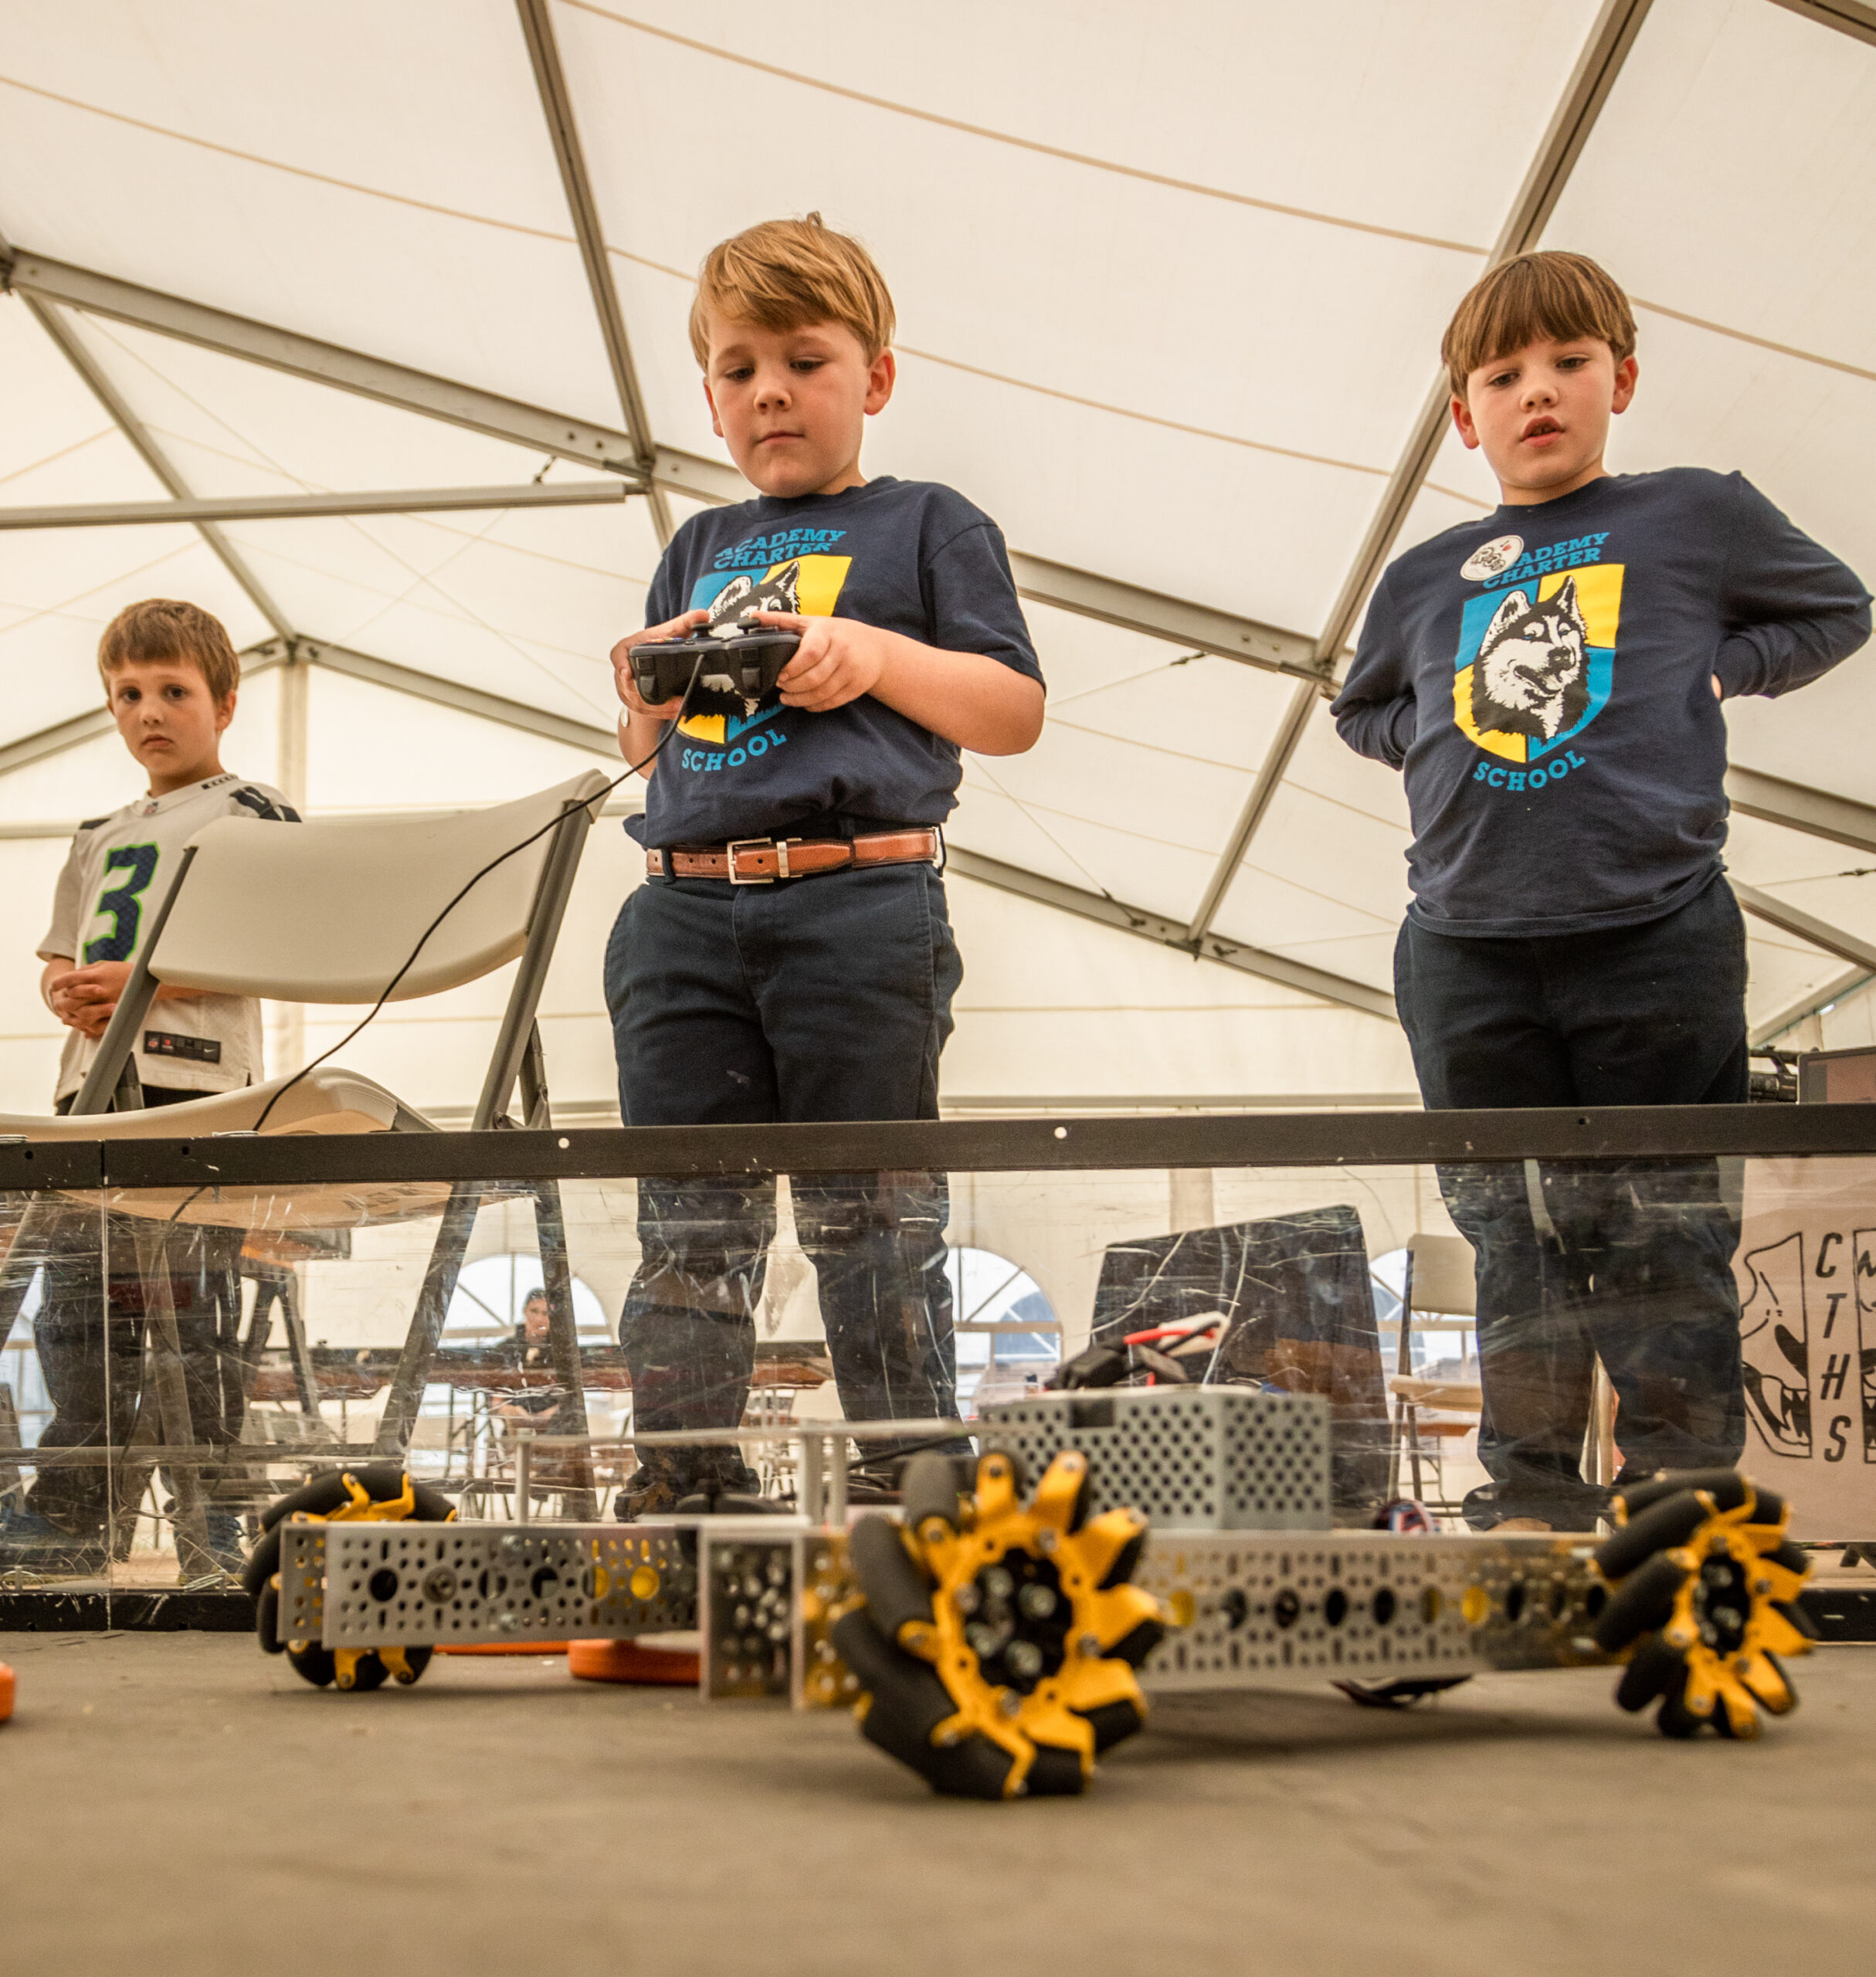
column 89, row 1335
column 819, row 998
column 1628, row 1261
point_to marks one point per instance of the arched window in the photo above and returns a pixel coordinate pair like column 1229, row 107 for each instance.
column 491, row 1299
column 1009, row 1340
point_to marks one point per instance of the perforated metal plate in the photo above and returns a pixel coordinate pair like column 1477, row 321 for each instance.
column 1366, row 1606
column 1188, row 1458
column 1261, row 1611
column 749, row 1615
column 1248, row 1610
column 389, row 1584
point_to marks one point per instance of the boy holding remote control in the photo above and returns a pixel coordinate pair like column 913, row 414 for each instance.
column 789, row 957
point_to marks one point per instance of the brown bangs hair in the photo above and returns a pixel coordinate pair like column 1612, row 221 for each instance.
column 1551, row 295
column 161, row 628
column 787, row 273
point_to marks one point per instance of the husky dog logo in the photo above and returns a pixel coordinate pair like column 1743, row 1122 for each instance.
column 1531, row 674
column 779, row 591
column 803, row 586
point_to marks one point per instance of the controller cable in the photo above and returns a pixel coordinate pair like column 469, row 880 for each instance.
column 501, row 858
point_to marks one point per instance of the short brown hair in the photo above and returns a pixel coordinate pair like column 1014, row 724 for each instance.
column 1550, row 294
column 787, row 273
column 161, row 628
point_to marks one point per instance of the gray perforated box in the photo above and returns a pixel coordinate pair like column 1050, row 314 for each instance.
column 1187, row 1458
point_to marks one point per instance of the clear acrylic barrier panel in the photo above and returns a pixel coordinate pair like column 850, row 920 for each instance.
column 1502, row 1342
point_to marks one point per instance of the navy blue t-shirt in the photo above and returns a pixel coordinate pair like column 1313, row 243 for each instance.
column 1543, row 677
column 909, row 556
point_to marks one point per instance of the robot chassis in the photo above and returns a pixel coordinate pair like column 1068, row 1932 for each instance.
column 1176, row 1540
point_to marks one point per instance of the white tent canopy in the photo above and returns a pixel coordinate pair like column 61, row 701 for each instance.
column 392, row 300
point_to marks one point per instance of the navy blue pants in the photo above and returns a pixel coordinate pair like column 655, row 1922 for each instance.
column 1629, row 1260
column 818, row 998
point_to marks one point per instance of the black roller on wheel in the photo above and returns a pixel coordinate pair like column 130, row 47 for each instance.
column 996, row 1641
column 378, row 1492
column 1704, row 1602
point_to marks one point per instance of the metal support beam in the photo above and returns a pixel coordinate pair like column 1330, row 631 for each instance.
column 1195, row 627
column 582, row 734
column 1815, row 812
column 1270, row 773
column 127, row 421
column 1790, row 919
column 1607, row 48
column 54, row 741
column 1808, row 1004
column 1164, row 932
column 537, row 429
column 1854, row 18
column 83, row 727
column 293, row 507
column 557, row 107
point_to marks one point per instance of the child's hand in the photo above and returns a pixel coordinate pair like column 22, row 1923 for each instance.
column 675, row 628
column 839, row 659
column 1719, row 692
column 85, row 998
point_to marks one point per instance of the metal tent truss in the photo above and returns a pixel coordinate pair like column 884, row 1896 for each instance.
column 630, row 463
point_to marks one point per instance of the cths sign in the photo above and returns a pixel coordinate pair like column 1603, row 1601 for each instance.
column 1806, row 1270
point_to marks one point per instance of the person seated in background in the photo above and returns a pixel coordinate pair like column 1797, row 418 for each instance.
column 542, row 1404
column 170, row 677
column 789, row 956
column 1549, row 679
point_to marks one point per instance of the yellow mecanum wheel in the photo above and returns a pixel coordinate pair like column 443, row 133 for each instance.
column 1706, row 1585
column 997, row 1641
column 381, row 1493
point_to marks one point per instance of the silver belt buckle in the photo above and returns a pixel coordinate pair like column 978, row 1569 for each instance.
column 748, row 844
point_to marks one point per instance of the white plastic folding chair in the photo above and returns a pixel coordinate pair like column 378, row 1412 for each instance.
column 1441, row 1282
column 331, row 912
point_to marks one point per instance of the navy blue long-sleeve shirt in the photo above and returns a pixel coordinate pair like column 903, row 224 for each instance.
column 1543, row 676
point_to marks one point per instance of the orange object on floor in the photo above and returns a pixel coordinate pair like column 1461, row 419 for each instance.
column 6, row 1692
column 505, row 1647
column 626, row 1661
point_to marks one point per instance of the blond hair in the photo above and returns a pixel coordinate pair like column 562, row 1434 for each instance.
column 787, row 273
column 162, row 627
column 1550, row 294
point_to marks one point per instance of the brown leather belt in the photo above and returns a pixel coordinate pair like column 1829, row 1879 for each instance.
column 760, row 861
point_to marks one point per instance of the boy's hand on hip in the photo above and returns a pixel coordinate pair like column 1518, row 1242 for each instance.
column 674, row 628
column 1719, row 692
column 839, row 659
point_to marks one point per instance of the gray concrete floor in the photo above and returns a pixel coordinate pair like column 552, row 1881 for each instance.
column 178, row 1803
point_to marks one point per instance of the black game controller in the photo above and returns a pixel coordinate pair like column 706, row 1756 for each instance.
column 748, row 664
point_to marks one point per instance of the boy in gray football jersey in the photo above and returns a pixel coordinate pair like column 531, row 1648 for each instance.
column 171, row 677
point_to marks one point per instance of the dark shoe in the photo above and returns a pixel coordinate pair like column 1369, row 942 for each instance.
column 650, row 1493
column 713, row 1501
column 872, row 1486
column 30, row 1543
column 227, row 1542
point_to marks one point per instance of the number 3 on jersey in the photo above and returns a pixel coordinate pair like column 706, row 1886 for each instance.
column 123, row 902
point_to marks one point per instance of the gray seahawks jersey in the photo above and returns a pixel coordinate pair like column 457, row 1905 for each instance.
column 119, row 872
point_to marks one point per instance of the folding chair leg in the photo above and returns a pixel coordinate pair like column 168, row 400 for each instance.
column 22, row 1264
column 259, row 1330
column 563, row 1343
column 306, row 1381
column 398, row 1422
column 172, row 1399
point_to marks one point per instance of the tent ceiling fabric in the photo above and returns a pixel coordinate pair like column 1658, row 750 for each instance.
column 1171, row 283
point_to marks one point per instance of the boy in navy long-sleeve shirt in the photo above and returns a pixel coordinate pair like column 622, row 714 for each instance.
column 1549, row 679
